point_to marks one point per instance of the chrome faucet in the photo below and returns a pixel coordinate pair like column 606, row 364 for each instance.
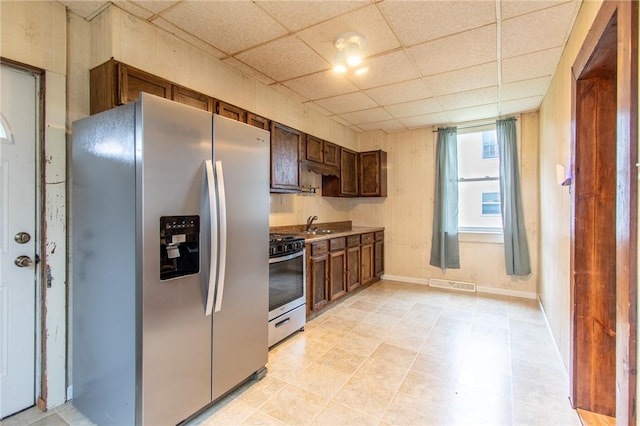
column 310, row 220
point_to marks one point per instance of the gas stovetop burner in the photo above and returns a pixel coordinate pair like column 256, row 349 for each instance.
column 283, row 244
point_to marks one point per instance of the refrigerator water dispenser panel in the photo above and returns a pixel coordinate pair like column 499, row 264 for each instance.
column 179, row 246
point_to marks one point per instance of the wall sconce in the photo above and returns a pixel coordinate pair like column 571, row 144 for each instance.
column 349, row 55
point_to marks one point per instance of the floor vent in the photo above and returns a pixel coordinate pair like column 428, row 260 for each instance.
column 453, row 285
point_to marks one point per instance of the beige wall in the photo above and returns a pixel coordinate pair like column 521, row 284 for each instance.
column 555, row 217
column 407, row 213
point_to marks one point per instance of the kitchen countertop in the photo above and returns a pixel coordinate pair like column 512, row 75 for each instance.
column 341, row 233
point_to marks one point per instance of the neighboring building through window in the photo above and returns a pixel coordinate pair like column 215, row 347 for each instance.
column 478, row 180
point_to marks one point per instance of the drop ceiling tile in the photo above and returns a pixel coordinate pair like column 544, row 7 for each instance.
column 366, row 21
column 524, row 89
column 386, row 69
column 400, row 92
column 244, row 68
column 290, row 93
column 525, row 67
column 345, row 103
column 134, row 9
column 217, row 23
column 154, row 6
column 536, row 31
column 477, row 77
column 472, row 113
column 367, row 116
column 387, row 126
column 283, row 59
column 190, row 39
column 426, row 120
column 296, row 15
column 341, row 120
column 408, row 109
column 511, row 8
column 469, row 98
column 457, row 51
column 321, row 85
column 318, row 108
column 418, row 21
column 520, row 105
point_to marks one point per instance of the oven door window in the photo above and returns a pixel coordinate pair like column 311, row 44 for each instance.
column 286, row 282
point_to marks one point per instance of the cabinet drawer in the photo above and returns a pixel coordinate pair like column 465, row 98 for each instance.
column 320, row 247
column 367, row 238
column 379, row 235
column 353, row 241
column 337, row 243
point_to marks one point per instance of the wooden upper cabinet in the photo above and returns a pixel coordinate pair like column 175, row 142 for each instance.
column 346, row 183
column 373, row 174
column 132, row 81
column 231, row 111
column 314, row 149
column 348, row 172
column 257, row 121
column 193, row 98
column 285, row 158
column 331, row 154
column 114, row 83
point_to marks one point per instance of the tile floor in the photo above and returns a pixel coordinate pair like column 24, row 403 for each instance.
column 399, row 354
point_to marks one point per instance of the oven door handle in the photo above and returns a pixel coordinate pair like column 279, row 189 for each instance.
column 287, row 257
column 213, row 223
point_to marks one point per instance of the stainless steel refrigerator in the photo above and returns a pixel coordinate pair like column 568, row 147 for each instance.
column 170, row 216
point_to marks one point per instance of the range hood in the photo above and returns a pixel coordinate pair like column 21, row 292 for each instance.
column 321, row 169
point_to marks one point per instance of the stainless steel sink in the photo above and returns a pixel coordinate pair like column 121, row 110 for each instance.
column 318, row 232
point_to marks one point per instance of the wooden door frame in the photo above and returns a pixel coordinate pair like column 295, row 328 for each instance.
column 626, row 15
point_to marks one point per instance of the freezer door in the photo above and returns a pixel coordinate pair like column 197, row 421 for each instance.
column 240, row 341
column 176, row 334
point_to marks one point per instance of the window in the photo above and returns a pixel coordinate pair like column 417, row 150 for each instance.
column 489, row 145
column 478, row 180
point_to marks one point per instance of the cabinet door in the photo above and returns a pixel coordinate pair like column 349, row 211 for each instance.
column 337, row 274
column 348, row 172
column 193, row 98
column 366, row 271
column 257, row 121
column 313, row 149
column 378, row 258
column 331, row 154
column 373, row 174
column 132, row 81
column 353, row 268
column 231, row 111
column 285, row 158
column 319, row 273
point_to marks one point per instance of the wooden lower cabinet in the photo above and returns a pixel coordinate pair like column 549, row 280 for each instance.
column 339, row 265
column 318, row 277
column 353, row 268
column 378, row 254
column 337, row 274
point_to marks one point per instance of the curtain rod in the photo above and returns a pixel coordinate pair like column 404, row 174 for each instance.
column 475, row 125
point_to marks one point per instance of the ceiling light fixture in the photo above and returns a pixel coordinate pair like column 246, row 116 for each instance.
column 349, row 55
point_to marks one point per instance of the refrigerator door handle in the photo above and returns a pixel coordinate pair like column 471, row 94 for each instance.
column 223, row 235
column 213, row 222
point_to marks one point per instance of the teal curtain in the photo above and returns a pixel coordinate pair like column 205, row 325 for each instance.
column 516, row 248
column 444, row 240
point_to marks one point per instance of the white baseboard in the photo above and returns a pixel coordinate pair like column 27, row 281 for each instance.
column 479, row 289
column 405, row 279
column 507, row 292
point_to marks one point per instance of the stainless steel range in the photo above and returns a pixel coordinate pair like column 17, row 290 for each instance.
column 287, row 286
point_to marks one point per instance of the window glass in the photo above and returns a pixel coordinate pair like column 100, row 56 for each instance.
column 478, row 181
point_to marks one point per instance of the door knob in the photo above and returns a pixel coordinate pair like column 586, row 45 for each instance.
column 23, row 261
column 22, row 237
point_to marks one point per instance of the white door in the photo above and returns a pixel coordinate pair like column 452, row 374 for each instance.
column 18, row 112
